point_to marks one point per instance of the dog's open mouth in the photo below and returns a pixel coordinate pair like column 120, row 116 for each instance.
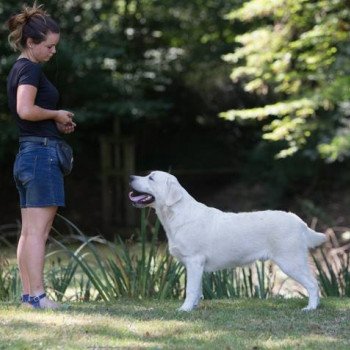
column 140, row 198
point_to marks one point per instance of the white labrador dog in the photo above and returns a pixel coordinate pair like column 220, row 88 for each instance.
column 207, row 239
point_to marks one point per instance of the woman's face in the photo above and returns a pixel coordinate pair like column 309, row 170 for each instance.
column 46, row 49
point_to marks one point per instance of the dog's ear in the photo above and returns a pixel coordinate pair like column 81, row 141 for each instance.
column 174, row 193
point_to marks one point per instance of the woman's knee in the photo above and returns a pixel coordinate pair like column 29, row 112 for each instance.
column 37, row 221
column 34, row 232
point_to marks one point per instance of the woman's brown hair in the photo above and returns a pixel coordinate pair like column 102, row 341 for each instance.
column 32, row 22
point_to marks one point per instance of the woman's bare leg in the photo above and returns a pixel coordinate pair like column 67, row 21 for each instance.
column 36, row 226
column 21, row 264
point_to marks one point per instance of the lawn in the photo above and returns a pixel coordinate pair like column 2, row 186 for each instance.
column 151, row 324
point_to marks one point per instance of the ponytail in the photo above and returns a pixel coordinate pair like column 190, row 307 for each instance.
column 31, row 22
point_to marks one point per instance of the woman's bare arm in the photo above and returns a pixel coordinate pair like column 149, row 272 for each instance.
column 27, row 110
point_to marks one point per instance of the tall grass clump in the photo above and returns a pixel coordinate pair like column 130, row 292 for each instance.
column 134, row 269
column 256, row 281
column 60, row 276
column 333, row 267
column 10, row 286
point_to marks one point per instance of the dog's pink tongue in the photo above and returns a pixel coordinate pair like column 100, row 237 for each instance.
column 136, row 198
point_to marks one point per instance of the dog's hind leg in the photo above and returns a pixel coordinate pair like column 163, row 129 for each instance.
column 194, row 273
column 297, row 267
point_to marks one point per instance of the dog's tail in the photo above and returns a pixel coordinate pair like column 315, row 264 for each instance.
column 314, row 239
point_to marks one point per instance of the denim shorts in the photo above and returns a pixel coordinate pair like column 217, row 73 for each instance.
column 38, row 176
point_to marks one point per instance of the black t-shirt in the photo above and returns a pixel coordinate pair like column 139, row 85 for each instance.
column 26, row 72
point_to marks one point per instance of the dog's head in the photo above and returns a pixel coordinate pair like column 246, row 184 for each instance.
column 156, row 189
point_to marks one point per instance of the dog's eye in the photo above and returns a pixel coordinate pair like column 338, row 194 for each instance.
column 151, row 178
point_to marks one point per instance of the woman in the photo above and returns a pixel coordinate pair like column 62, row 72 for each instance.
column 39, row 179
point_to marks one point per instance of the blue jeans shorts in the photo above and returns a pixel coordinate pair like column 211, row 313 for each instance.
column 38, row 176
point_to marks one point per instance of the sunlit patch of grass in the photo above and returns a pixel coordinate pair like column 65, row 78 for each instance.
column 313, row 341
column 155, row 324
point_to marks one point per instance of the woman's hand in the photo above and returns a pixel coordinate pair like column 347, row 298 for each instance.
column 66, row 128
column 64, row 117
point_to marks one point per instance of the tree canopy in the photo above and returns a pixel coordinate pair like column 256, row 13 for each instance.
column 294, row 57
column 135, row 59
column 167, row 69
column 131, row 59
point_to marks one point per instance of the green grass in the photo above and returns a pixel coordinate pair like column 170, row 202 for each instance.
column 149, row 324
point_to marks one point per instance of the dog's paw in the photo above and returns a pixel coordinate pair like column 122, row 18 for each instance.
column 309, row 308
column 186, row 308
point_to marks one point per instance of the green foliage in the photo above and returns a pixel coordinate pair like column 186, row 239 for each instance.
column 9, row 281
column 116, row 272
column 59, row 276
column 248, row 282
column 333, row 269
column 9, row 276
column 123, row 58
column 294, row 56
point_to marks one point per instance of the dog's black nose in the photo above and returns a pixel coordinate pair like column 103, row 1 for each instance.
column 132, row 178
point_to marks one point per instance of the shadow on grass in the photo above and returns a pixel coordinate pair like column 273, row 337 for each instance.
column 216, row 324
column 283, row 316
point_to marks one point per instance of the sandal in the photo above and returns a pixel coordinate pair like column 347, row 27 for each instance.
column 25, row 298
column 35, row 301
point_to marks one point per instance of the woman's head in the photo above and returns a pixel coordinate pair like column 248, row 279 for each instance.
column 35, row 31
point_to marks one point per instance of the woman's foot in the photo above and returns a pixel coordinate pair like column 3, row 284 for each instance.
column 25, row 300
column 42, row 302
column 46, row 303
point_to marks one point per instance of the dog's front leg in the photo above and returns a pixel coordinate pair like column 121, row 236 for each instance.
column 194, row 271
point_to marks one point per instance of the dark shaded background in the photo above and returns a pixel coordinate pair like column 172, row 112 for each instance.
column 164, row 80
